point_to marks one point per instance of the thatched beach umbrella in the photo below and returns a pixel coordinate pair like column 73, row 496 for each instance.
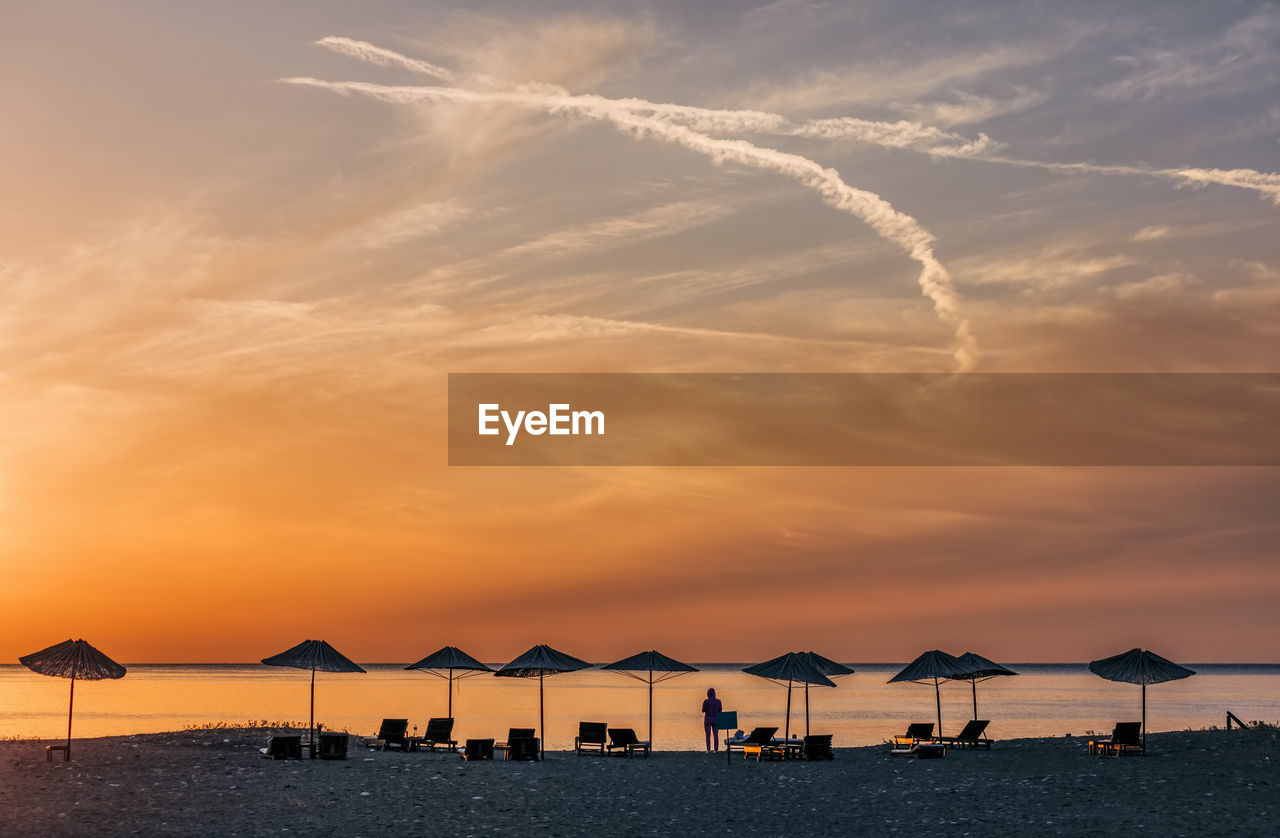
column 935, row 667
column 793, row 667
column 1138, row 666
column 980, row 669
column 447, row 661
column 827, row 667
column 318, row 656
column 538, row 662
column 652, row 667
column 74, row 659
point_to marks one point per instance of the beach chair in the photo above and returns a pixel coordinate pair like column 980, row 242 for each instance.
column 283, row 747
column 761, row 738
column 591, row 736
column 392, row 733
column 331, row 746
column 518, row 744
column 624, row 738
column 908, row 743
column 1125, row 738
column 526, row 748
column 817, row 746
column 439, row 732
column 970, row 737
column 477, row 749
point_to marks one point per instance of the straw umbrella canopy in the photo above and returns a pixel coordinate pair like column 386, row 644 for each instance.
column 793, row 668
column 539, row 662
column 445, row 662
column 74, row 659
column 980, row 669
column 318, row 656
column 827, row 667
column 652, row 667
column 1138, row 666
column 932, row 667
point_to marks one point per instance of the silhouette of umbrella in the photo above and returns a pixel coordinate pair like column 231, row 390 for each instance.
column 445, row 662
column 318, row 656
column 538, row 662
column 980, row 670
column 793, row 667
column 72, row 659
column 935, row 667
column 827, row 667
column 1138, row 666
column 652, row 667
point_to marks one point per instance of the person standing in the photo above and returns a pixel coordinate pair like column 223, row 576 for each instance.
column 711, row 708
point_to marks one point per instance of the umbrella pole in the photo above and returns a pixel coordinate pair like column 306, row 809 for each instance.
column 650, row 708
column 937, row 692
column 71, row 702
column 312, row 730
column 542, row 723
column 973, row 682
column 1144, row 719
column 787, row 731
column 806, row 709
column 451, row 692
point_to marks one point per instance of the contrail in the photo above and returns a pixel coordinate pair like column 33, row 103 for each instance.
column 901, row 134
column 904, row 134
column 1264, row 183
column 365, row 51
column 877, row 213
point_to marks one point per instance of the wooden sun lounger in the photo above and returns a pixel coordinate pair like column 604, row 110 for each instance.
column 625, row 739
column 970, row 737
column 591, row 736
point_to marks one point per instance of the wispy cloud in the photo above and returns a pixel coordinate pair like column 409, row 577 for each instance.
column 1152, row 233
column 964, row 108
column 1242, row 57
column 646, row 224
column 414, row 222
column 891, row 224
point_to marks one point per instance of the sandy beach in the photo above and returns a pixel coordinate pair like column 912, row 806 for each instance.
column 213, row 782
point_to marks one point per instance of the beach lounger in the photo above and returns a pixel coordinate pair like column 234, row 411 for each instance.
column 392, row 733
column 818, row 746
column 761, row 738
column 477, row 749
column 332, row 746
column 518, row 744
column 624, row 738
column 1125, row 738
column 970, row 737
column 518, row 749
column 283, row 747
column 439, row 732
column 591, row 736
column 907, row 744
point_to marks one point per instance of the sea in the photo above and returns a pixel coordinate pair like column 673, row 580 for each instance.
column 1042, row 700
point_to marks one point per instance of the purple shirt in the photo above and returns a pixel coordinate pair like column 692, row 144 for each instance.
column 710, row 709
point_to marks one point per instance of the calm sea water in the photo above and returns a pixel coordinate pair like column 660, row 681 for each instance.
column 1043, row 700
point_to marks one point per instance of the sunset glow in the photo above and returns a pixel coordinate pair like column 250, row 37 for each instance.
column 241, row 249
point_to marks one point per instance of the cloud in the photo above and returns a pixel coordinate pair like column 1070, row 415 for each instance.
column 971, row 108
column 414, row 222
column 1241, row 58
column 891, row 224
column 1147, row 234
column 1053, row 267
column 649, row 223
column 372, row 54
column 896, row 81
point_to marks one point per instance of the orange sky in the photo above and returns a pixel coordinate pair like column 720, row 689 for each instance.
column 228, row 307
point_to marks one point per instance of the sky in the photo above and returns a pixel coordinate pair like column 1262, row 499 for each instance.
column 242, row 247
